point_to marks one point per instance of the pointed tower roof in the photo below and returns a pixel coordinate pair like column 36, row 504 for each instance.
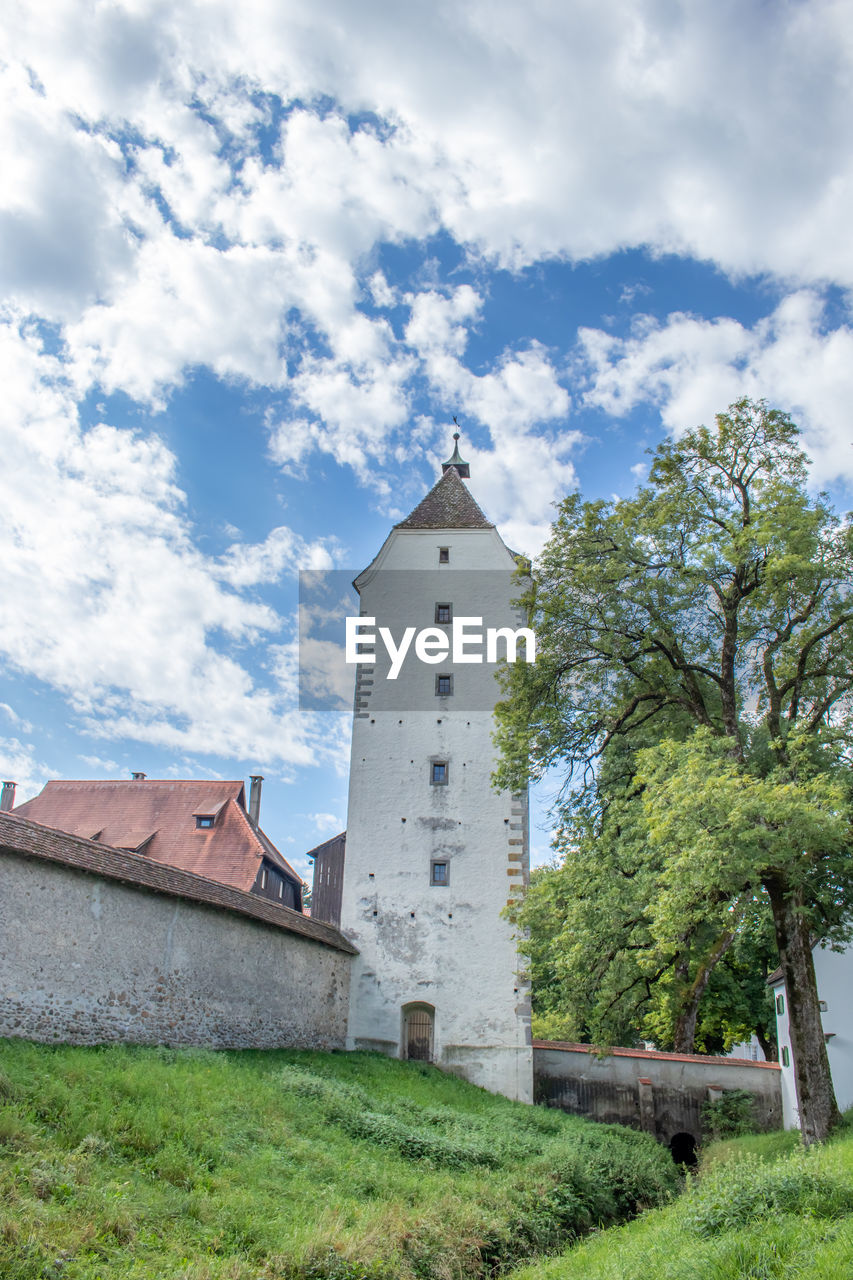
column 448, row 505
column 456, row 460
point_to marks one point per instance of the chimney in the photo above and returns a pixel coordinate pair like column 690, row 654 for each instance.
column 7, row 797
column 139, row 777
column 256, row 780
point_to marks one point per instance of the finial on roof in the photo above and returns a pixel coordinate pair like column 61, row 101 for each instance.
column 455, row 461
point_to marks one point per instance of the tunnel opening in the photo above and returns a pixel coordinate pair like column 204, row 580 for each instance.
column 683, row 1148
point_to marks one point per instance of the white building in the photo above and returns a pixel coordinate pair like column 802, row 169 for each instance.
column 834, row 974
column 433, row 852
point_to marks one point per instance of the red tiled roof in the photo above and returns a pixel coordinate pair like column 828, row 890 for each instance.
column 157, row 817
column 30, row 839
column 709, row 1058
column 448, row 505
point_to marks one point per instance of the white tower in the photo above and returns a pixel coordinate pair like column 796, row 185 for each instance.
column 433, row 852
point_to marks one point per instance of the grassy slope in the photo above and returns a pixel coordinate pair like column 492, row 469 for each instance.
column 762, row 1210
column 129, row 1163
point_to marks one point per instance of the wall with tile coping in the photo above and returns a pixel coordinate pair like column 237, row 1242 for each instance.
column 86, row 959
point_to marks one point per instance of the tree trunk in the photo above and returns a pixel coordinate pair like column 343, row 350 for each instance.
column 768, row 1046
column 815, row 1094
column 684, row 1036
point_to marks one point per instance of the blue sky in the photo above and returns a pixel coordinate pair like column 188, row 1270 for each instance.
column 254, row 258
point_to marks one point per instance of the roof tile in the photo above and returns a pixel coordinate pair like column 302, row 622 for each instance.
column 448, row 505
column 125, row 814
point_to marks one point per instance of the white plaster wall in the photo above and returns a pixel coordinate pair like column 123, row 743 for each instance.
column 834, row 974
column 444, row 945
column 790, row 1110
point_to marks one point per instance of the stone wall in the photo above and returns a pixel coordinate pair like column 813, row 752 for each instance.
column 89, row 956
column 661, row 1093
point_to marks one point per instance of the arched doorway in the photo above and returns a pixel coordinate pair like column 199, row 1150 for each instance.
column 683, row 1148
column 418, row 1024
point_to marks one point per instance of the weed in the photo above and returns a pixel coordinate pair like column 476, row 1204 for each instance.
column 735, row 1194
column 138, row 1162
column 730, row 1116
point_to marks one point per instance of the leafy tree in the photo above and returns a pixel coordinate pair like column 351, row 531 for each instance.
column 717, row 599
column 600, row 969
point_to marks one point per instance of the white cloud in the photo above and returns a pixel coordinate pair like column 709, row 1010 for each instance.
column 381, row 292
column 627, row 124
column 326, row 822
column 691, row 368
column 19, row 722
column 282, row 552
column 101, row 765
column 18, row 764
column 140, row 214
column 144, row 635
column 187, row 303
column 324, row 675
column 528, row 467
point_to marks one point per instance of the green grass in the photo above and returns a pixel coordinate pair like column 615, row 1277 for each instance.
column 761, row 1209
column 130, row 1162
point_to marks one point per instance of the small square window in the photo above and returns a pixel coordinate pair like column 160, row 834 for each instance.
column 443, row 686
column 786, row 1056
column 438, row 773
column 439, row 872
column 444, row 613
column 203, row 820
column 780, row 1004
column 444, row 555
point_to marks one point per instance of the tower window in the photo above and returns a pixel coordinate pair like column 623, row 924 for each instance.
column 443, row 686
column 780, row 1004
column 444, row 613
column 439, row 872
column 786, row 1056
column 444, row 555
column 438, row 773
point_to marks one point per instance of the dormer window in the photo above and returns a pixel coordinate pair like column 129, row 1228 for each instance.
column 205, row 817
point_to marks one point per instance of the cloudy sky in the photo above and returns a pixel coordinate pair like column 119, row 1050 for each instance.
column 255, row 257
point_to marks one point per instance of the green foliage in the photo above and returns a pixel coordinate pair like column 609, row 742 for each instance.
column 603, row 970
column 730, row 1116
column 396, row 1128
column 757, row 1210
column 692, row 684
column 718, row 828
column 737, row 1194
column 131, row 1163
